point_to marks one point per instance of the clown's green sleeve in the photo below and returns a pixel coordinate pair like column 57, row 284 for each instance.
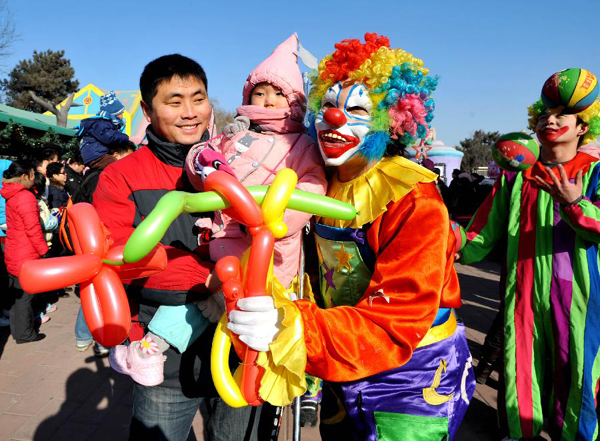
column 489, row 223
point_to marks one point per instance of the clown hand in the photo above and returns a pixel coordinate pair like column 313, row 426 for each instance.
column 213, row 307
column 257, row 322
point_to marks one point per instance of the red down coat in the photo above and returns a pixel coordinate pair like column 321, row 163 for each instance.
column 24, row 237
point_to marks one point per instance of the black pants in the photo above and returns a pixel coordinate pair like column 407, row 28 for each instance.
column 22, row 326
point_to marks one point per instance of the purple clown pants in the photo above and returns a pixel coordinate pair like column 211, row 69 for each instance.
column 425, row 399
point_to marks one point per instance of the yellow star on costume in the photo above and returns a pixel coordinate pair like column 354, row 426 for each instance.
column 343, row 258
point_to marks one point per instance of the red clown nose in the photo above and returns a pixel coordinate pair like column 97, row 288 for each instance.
column 334, row 118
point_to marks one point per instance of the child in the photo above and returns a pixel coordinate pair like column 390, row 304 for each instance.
column 99, row 133
column 552, row 292
column 267, row 136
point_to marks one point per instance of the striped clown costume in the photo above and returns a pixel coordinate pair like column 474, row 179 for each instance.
column 551, row 303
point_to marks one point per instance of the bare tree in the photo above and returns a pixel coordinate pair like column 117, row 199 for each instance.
column 61, row 114
column 8, row 33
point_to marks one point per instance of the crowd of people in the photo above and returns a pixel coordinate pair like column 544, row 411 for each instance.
column 375, row 337
column 35, row 195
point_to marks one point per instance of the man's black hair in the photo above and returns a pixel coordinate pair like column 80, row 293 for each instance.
column 54, row 168
column 75, row 158
column 163, row 69
column 48, row 154
column 122, row 148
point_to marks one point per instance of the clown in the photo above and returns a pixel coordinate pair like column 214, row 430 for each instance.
column 386, row 341
column 552, row 284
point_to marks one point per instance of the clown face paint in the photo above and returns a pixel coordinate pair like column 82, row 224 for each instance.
column 343, row 121
column 552, row 128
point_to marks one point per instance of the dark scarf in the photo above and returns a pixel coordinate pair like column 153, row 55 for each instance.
column 168, row 152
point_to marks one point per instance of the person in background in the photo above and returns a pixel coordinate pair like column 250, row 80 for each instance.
column 85, row 192
column 49, row 220
column 74, row 169
column 48, row 156
column 24, row 241
column 98, row 134
column 57, row 195
column 4, row 299
column 549, row 217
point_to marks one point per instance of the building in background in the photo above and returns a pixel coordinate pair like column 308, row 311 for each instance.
column 87, row 102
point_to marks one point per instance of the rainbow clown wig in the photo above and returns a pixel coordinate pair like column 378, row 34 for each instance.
column 399, row 87
column 590, row 116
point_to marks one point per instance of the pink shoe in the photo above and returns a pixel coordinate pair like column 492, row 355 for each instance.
column 147, row 371
column 50, row 308
column 118, row 359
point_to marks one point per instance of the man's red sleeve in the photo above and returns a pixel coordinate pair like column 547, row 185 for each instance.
column 185, row 271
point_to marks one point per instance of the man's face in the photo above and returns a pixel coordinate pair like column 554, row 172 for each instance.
column 77, row 167
column 42, row 167
column 552, row 128
column 180, row 110
column 61, row 177
column 342, row 130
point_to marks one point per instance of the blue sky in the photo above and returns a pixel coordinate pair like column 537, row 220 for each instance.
column 492, row 56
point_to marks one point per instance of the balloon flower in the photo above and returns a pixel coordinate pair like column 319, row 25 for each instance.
column 99, row 269
column 261, row 209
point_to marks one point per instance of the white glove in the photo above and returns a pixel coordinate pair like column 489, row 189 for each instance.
column 213, row 307
column 258, row 322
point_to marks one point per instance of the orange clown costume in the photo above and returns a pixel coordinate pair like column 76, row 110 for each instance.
column 384, row 336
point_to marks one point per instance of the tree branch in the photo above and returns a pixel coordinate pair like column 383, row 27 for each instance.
column 42, row 102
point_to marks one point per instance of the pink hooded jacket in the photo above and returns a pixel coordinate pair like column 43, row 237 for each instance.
column 255, row 156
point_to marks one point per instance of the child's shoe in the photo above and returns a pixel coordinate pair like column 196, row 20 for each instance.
column 128, row 360
column 42, row 318
column 50, row 308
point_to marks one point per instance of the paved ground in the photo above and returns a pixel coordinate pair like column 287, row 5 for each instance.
column 49, row 391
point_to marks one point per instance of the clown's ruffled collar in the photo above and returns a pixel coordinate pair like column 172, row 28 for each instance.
column 388, row 181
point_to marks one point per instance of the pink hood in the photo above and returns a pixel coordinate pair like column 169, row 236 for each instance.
column 282, row 71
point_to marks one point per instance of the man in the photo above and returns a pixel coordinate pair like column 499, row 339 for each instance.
column 549, row 214
column 74, row 169
column 175, row 102
column 48, row 156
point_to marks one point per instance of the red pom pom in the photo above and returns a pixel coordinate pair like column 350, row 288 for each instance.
column 350, row 55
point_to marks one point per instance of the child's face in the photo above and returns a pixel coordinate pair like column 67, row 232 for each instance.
column 553, row 128
column 269, row 97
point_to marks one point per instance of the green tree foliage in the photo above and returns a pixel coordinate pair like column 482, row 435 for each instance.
column 15, row 142
column 477, row 149
column 47, row 73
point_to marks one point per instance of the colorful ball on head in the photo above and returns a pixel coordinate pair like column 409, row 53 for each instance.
column 515, row 151
column 570, row 91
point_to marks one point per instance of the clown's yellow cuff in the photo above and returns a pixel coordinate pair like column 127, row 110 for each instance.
column 285, row 363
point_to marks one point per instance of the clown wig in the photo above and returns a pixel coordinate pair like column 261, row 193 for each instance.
column 590, row 116
column 399, row 86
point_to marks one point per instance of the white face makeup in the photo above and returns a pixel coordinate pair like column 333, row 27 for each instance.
column 341, row 133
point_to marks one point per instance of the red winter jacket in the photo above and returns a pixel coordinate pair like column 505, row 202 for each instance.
column 24, row 237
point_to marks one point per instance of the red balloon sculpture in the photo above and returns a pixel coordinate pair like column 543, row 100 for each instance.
column 248, row 212
column 99, row 269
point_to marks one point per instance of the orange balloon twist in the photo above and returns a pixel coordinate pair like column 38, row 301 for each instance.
column 98, row 269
